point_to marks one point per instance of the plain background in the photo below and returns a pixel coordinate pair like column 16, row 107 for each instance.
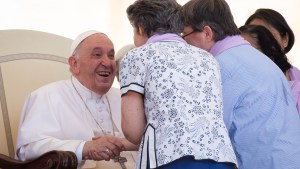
column 68, row 18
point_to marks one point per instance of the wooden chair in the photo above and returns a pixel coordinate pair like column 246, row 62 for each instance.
column 50, row 160
column 29, row 60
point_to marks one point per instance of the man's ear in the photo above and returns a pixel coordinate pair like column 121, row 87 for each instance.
column 74, row 66
column 208, row 33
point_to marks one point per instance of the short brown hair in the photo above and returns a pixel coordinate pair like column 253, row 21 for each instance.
column 214, row 13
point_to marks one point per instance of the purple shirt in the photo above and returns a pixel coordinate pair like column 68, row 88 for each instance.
column 295, row 85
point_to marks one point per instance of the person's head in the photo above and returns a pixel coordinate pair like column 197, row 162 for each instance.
column 206, row 22
column 92, row 61
column 150, row 17
column 276, row 24
column 120, row 54
column 262, row 39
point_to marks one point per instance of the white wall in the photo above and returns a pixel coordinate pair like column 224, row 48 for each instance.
column 71, row 17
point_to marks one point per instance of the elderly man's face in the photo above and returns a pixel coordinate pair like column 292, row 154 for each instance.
column 95, row 66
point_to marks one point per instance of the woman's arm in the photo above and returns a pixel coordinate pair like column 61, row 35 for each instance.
column 129, row 146
column 133, row 117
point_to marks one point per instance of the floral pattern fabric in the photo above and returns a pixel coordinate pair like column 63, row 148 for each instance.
column 182, row 92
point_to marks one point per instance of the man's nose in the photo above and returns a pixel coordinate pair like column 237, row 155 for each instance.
column 105, row 60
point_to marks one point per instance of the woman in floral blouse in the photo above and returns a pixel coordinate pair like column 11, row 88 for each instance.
column 171, row 94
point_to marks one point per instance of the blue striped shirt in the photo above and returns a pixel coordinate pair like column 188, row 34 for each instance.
column 259, row 110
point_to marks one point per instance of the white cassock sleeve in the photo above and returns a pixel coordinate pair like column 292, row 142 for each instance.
column 46, row 124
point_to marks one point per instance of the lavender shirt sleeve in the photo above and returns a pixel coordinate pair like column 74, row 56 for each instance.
column 295, row 85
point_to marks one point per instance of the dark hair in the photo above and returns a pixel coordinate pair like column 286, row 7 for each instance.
column 156, row 16
column 276, row 20
column 214, row 13
column 268, row 45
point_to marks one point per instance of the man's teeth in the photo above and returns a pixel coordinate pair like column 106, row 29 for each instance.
column 103, row 73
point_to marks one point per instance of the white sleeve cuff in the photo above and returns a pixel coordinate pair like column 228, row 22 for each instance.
column 78, row 151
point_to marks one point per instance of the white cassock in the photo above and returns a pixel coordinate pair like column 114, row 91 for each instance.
column 54, row 117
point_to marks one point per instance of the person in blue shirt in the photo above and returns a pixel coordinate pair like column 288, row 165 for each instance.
column 259, row 110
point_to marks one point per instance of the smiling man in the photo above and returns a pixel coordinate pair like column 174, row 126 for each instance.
column 81, row 114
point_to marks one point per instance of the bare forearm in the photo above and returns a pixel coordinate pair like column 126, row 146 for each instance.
column 130, row 146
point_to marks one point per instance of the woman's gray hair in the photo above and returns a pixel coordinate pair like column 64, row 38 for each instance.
column 156, row 16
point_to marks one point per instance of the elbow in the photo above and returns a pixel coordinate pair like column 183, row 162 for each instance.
column 131, row 136
column 133, row 140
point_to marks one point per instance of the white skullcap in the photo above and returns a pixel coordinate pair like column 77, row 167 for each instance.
column 80, row 38
column 123, row 51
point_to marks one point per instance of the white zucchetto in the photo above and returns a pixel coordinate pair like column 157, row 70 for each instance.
column 80, row 38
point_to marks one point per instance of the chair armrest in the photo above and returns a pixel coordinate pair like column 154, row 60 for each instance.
column 50, row 160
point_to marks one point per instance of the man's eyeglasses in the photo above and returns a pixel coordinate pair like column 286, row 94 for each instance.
column 185, row 35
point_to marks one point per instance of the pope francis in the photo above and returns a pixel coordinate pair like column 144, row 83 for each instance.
column 81, row 114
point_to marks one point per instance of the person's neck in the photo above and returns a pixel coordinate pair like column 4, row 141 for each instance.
column 287, row 75
column 226, row 43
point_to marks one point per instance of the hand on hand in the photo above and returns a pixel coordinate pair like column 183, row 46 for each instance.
column 102, row 148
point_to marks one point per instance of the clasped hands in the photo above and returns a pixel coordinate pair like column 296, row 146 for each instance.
column 103, row 148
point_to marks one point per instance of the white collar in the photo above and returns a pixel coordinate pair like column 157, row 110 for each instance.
column 84, row 91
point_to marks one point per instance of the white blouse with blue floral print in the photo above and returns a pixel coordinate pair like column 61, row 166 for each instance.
column 182, row 91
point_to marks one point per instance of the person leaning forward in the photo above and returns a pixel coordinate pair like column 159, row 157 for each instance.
column 81, row 114
column 259, row 110
column 171, row 94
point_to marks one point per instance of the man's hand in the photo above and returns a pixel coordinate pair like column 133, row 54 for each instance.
column 102, row 148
